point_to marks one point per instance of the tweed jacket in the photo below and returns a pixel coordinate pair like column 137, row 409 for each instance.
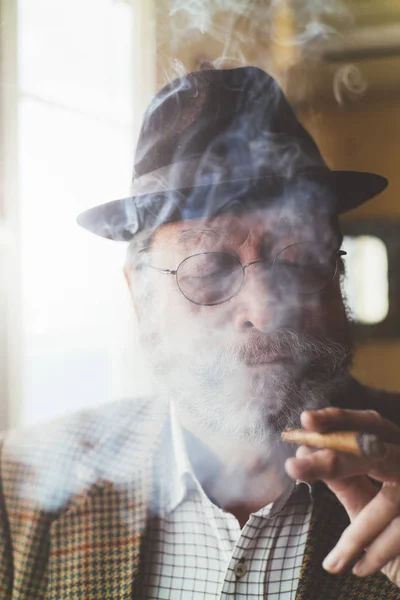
column 76, row 497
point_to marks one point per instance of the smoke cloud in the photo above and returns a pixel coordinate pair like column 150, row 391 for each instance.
column 209, row 367
column 201, row 360
column 313, row 17
column 348, row 83
column 273, row 34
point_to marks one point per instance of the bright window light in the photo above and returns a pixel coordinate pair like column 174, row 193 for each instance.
column 77, row 108
column 366, row 284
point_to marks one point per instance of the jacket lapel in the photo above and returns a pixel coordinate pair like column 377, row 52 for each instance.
column 329, row 519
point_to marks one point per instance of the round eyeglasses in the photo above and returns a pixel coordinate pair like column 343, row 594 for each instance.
column 212, row 278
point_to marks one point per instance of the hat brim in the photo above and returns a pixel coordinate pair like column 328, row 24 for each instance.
column 121, row 219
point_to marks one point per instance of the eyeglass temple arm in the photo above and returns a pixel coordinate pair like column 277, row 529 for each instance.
column 164, row 271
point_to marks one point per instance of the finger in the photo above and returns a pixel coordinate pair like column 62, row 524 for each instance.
column 332, row 418
column 303, row 451
column 386, row 467
column 392, row 570
column 385, row 548
column 354, row 492
column 366, row 526
column 326, row 464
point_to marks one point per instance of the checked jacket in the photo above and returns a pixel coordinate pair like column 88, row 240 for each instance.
column 76, row 497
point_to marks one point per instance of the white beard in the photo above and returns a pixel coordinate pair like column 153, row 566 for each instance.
column 210, row 382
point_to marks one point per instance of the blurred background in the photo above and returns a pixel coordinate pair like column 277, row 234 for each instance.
column 76, row 77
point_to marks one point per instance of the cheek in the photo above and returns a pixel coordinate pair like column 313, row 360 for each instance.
column 189, row 323
column 166, row 309
column 327, row 316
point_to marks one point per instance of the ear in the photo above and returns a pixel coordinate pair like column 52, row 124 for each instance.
column 132, row 280
column 127, row 276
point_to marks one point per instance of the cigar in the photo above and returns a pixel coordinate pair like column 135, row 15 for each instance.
column 351, row 442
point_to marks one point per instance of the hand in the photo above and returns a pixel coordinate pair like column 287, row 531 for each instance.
column 374, row 513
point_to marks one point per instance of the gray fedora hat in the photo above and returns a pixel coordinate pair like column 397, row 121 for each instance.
column 215, row 139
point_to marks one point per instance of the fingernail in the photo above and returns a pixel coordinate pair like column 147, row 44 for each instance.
column 332, row 563
column 360, row 569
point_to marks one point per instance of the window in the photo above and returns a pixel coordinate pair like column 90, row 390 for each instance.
column 366, row 285
column 372, row 280
column 77, row 109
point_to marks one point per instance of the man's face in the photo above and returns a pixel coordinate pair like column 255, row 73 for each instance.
column 246, row 367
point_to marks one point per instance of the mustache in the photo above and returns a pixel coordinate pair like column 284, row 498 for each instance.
column 290, row 345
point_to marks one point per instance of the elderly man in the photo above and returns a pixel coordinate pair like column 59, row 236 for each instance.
column 234, row 267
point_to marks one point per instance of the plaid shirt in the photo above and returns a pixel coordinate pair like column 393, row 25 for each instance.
column 77, row 498
column 196, row 550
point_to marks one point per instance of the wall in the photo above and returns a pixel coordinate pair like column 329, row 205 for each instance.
column 365, row 136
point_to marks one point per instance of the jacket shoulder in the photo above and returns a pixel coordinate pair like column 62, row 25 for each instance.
column 47, row 464
column 387, row 403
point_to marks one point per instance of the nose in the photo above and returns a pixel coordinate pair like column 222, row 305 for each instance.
column 256, row 303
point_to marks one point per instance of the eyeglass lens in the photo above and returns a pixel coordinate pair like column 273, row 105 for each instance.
column 214, row 277
column 306, row 267
column 210, row 278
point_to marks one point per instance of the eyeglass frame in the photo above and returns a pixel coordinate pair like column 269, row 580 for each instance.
column 336, row 254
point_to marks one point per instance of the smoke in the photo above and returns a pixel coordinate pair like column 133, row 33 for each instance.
column 200, row 14
column 243, row 384
column 201, row 359
column 211, row 360
column 61, row 461
column 348, row 83
column 311, row 16
column 240, row 350
column 276, row 35
column 259, row 412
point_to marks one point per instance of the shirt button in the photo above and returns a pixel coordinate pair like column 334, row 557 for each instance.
column 240, row 569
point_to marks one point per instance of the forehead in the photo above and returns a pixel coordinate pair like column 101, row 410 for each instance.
column 272, row 223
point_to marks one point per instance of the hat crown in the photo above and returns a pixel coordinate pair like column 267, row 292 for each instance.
column 213, row 140
column 232, row 119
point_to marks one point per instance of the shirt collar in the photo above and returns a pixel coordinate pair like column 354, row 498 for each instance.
column 182, row 479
